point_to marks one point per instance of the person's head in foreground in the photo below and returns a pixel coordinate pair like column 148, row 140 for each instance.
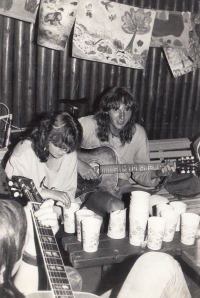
column 13, row 228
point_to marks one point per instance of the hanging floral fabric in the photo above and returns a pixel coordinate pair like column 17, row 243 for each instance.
column 24, row 10
column 171, row 28
column 56, row 19
column 112, row 33
column 182, row 61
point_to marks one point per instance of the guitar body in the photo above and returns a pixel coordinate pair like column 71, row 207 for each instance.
column 48, row 294
column 95, row 157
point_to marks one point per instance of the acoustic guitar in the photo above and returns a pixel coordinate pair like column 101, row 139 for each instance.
column 55, row 269
column 104, row 161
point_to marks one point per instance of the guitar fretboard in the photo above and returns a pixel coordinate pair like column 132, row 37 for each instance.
column 58, row 279
column 128, row 168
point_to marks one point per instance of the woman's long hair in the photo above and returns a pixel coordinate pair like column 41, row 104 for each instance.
column 13, row 227
column 60, row 128
column 112, row 99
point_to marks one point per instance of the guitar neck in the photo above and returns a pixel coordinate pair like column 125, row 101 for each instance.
column 54, row 265
column 128, row 168
column 55, row 269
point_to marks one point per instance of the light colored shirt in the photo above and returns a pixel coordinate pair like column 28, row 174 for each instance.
column 137, row 151
column 24, row 162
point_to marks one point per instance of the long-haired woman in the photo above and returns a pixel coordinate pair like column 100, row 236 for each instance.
column 48, row 157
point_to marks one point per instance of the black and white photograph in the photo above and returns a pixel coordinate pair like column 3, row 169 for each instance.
column 99, row 149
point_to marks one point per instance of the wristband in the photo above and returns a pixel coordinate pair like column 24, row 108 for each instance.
column 29, row 259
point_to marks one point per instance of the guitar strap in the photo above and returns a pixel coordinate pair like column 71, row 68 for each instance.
column 160, row 185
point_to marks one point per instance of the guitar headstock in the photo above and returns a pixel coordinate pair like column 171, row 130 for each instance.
column 22, row 186
column 189, row 164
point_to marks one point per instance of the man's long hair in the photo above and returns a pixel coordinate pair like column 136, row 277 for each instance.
column 112, row 99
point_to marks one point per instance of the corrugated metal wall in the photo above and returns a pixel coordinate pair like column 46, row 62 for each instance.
column 34, row 78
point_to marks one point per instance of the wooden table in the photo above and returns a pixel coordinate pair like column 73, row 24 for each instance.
column 192, row 257
column 110, row 252
column 113, row 251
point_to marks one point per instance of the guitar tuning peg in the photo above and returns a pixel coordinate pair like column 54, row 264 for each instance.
column 10, row 183
column 16, row 194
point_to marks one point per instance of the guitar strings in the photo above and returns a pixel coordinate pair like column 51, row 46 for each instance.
column 49, row 247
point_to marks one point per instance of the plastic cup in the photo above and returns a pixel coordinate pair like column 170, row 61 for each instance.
column 172, row 218
column 99, row 217
column 69, row 218
column 163, row 206
column 117, row 224
column 137, row 228
column 91, row 230
column 156, row 229
column 80, row 215
column 189, row 227
column 180, row 207
column 155, row 200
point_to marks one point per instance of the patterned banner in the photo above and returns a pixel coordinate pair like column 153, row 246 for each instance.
column 182, row 61
column 24, row 10
column 112, row 33
column 171, row 28
column 56, row 19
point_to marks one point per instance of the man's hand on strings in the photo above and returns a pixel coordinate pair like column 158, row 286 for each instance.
column 86, row 171
column 166, row 170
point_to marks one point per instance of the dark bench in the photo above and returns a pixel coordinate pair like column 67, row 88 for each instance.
column 111, row 252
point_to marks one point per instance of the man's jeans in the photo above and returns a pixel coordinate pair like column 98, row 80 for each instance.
column 154, row 275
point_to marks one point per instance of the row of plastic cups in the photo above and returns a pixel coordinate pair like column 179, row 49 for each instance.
column 159, row 228
column 163, row 228
column 139, row 217
column 177, row 206
column 86, row 223
column 139, row 208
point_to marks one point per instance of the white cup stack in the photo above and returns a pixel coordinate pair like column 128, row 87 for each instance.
column 138, row 216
